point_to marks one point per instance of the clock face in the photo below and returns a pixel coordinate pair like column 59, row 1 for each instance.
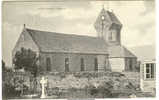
column 104, row 21
column 101, row 23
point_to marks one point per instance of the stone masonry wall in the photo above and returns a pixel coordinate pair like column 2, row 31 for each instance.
column 58, row 61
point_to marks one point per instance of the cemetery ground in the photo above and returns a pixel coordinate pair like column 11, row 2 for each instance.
column 73, row 85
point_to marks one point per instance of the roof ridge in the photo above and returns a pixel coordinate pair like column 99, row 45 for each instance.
column 66, row 34
column 120, row 51
column 55, row 42
column 112, row 16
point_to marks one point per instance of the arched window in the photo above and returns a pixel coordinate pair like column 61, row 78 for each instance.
column 113, row 35
column 130, row 64
column 48, row 64
column 95, row 64
column 66, row 64
column 82, row 64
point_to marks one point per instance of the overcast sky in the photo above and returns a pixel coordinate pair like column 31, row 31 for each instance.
column 137, row 17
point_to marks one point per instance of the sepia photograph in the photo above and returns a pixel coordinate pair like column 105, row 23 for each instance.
column 78, row 49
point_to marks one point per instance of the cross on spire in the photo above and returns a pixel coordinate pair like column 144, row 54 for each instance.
column 103, row 6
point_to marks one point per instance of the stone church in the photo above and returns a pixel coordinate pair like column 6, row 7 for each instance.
column 59, row 52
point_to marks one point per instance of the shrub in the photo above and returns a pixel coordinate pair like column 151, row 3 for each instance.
column 10, row 91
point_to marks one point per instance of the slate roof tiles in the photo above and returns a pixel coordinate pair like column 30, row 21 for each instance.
column 58, row 42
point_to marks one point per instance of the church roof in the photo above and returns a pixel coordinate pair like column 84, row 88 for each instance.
column 119, row 51
column 113, row 18
column 58, row 42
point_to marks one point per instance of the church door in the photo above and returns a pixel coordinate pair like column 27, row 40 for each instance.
column 66, row 64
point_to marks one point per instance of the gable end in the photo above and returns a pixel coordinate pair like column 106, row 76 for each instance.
column 25, row 40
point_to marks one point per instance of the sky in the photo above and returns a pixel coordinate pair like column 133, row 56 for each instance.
column 137, row 17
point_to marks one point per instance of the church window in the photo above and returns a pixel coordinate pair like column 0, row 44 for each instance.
column 150, row 70
column 48, row 64
column 96, row 64
column 82, row 64
column 112, row 35
column 130, row 64
column 66, row 64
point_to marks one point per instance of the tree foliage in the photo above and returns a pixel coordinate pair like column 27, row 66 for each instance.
column 27, row 59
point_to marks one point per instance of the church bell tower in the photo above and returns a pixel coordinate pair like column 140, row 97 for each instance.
column 108, row 27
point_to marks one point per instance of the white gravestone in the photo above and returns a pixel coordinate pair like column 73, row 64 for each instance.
column 43, row 82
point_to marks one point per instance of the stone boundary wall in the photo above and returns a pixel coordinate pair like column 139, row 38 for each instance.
column 120, row 81
column 86, row 84
column 17, row 78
